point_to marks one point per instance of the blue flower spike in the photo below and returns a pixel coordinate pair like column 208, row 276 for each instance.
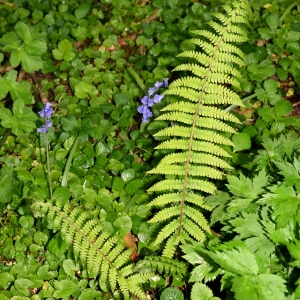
column 46, row 113
column 148, row 102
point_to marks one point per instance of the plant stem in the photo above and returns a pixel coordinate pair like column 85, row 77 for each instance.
column 48, row 164
column 69, row 161
column 287, row 11
column 7, row 133
column 231, row 107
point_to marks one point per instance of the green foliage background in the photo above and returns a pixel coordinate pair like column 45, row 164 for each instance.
column 95, row 60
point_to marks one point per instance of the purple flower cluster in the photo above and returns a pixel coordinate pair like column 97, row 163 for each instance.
column 46, row 113
column 148, row 102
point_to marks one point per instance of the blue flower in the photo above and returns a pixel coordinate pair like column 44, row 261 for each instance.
column 46, row 113
column 148, row 102
column 157, row 98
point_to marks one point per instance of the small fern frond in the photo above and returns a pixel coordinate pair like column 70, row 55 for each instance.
column 199, row 128
column 162, row 265
column 95, row 248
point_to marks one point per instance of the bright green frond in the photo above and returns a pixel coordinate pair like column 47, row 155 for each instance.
column 192, row 229
column 196, row 146
column 176, row 184
column 199, row 158
column 167, row 231
column 197, row 170
column 165, row 214
column 199, row 134
column 199, row 128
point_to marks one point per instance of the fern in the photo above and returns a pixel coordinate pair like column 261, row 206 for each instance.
column 96, row 249
column 198, row 129
column 163, row 265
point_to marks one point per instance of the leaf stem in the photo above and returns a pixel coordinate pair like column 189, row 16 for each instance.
column 231, row 107
column 69, row 161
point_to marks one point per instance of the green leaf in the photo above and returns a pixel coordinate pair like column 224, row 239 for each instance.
column 26, row 222
column 29, row 62
column 123, row 223
column 10, row 41
column 61, row 194
column 25, row 175
column 68, row 123
column 171, row 294
column 6, row 185
column 22, row 285
column 242, row 141
column 286, row 204
column 267, row 114
column 273, row 21
column 65, row 288
column 203, row 290
column 245, row 187
column 44, row 273
column 22, row 119
column 88, row 294
column 82, row 11
column 5, row 279
column 57, row 245
column 70, row 267
column 64, row 51
column 128, row 175
column 134, row 186
column 172, row 3
column 40, row 238
column 238, row 261
column 17, row 89
column 121, row 99
column 261, row 287
column 283, row 108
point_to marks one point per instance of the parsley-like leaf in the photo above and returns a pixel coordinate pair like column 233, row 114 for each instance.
column 22, row 119
column 17, row 89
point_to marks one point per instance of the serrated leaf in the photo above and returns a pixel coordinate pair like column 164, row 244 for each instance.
column 23, row 32
column 238, row 261
column 201, row 290
column 29, row 62
column 273, row 21
column 10, row 41
column 261, row 287
column 22, row 119
column 241, row 141
column 283, row 108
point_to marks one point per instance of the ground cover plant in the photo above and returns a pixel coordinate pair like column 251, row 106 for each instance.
column 149, row 149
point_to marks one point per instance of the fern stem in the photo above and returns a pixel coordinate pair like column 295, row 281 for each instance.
column 287, row 11
column 231, row 107
column 69, row 161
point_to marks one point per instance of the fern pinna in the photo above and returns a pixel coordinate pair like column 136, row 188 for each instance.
column 95, row 248
column 197, row 128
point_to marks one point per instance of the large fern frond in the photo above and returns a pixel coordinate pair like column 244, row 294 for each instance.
column 199, row 129
column 102, row 254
